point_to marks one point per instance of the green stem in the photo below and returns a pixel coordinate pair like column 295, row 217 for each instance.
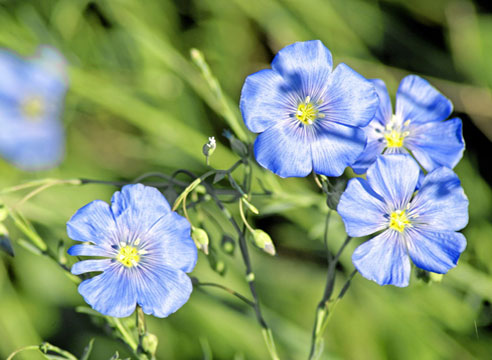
column 323, row 312
column 126, row 336
column 243, row 298
column 25, row 348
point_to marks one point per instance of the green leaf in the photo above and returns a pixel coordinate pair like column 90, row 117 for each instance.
column 87, row 350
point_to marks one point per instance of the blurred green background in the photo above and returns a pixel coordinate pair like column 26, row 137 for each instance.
column 137, row 103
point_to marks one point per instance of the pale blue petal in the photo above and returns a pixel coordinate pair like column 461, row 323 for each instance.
column 383, row 259
column 362, row 211
column 264, row 100
column 284, row 149
column 385, row 110
column 350, row 99
column 91, row 265
column 372, row 150
column 162, row 290
column 12, row 71
column 435, row 251
column 90, row 250
column 169, row 243
column 305, row 66
column 335, row 146
column 441, row 203
column 137, row 208
column 93, row 223
column 436, row 144
column 32, row 147
column 113, row 292
column 420, row 102
column 394, row 177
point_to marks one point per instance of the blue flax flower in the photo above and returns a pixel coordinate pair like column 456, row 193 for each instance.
column 146, row 251
column 418, row 126
column 308, row 116
column 31, row 98
column 421, row 226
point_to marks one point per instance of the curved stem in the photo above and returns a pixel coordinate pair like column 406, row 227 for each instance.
column 250, row 277
column 30, row 347
column 229, row 290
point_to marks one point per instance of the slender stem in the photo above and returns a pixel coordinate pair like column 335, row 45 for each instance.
column 243, row 298
column 25, row 348
column 250, row 277
column 243, row 217
column 129, row 340
column 47, row 185
column 323, row 312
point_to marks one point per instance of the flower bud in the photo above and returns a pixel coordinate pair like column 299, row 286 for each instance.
column 228, row 245
column 209, row 148
column 264, row 241
column 149, row 343
column 236, row 145
column 200, row 238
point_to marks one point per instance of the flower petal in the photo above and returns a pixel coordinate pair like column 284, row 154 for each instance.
column 93, row 223
column 394, row 177
column 441, row 203
column 12, row 70
column 335, row 146
column 136, row 208
column 436, row 251
column 362, row 211
column 436, row 144
column 385, row 110
column 31, row 146
column 162, row 290
column 111, row 293
column 306, row 64
column 373, row 149
column 284, row 149
column 90, row 250
column 420, row 102
column 383, row 259
column 171, row 241
column 264, row 100
column 90, row 265
column 350, row 98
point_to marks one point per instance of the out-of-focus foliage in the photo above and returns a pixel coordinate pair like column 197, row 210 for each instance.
column 137, row 103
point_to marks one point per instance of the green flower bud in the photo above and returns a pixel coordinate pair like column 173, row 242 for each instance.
column 200, row 238
column 228, row 245
column 209, row 148
column 264, row 241
column 435, row 277
column 149, row 343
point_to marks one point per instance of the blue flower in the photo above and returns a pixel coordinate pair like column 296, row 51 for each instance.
column 417, row 126
column 31, row 98
column 146, row 251
column 308, row 116
column 421, row 226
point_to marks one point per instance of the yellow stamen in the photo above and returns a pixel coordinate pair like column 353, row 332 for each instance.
column 394, row 138
column 399, row 220
column 33, row 107
column 128, row 256
column 306, row 112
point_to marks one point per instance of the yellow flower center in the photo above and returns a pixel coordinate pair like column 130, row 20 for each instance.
column 395, row 132
column 128, row 256
column 33, row 107
column 394, row 138
column 399, row 220
column 306, row 113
